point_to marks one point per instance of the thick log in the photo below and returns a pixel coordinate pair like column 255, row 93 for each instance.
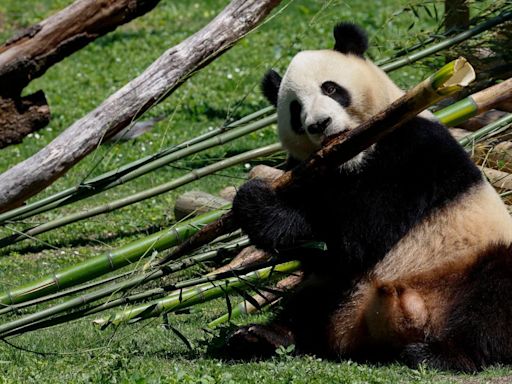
column 193, row 203
column 158, row 81
column 33, row 50
column 22, row 116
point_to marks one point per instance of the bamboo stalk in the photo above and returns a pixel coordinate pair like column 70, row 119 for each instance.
column 171, row 268
column 138, row 168
column 83, row 300
column 475, row 104
column 491, row 129
column 201, row 294
column 136, row 281
column 506, row 16
column 342, row 147
column 263, row 299
column 110, row 261
column 137, row 197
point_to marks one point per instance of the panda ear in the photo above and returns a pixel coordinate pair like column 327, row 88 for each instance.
column 350, row 38
column 270, row 86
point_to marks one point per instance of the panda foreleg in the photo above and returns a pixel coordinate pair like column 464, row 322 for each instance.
column 271, row 221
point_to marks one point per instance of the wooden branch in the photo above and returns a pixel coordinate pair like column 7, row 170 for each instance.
column 158, row 81
column 22, row 116
column 33, row 50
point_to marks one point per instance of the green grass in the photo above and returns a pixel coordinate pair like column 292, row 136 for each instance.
column 226, row 89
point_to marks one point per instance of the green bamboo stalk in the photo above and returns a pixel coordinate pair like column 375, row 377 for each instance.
column 139, row 167
column 201, row 294
column 458, row 112
column 108, row 262
column 475, row 104
column 243, row 308
column 490, row 129
column 171, row 268
column 506, row 16
column 137, row 197
column 44, row 319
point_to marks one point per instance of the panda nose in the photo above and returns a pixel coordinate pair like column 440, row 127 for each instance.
column 319, row 127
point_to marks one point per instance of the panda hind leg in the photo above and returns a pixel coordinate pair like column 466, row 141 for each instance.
column 256, row 341
column 437, row 356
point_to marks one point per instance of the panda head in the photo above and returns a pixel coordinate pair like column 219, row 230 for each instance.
column 325, row 92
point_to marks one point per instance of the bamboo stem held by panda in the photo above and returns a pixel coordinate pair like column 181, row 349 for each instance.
column 344, row 146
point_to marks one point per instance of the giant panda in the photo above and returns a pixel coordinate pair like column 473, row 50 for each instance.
column 418, row 267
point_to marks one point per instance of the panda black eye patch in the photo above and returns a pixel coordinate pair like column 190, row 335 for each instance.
column 336, row 92
column 295, row 110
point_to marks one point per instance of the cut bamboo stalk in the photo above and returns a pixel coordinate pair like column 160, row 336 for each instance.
column 475, row 104
column 107, row 262
column 448, row 80
column 195, row 296
column 135, row 169
column 194, row 175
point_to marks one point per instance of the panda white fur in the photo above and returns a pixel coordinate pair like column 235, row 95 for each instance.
column 418, row 267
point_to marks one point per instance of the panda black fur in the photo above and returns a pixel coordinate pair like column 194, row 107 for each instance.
column 418, row 267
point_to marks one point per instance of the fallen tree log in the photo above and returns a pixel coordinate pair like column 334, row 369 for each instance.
column 33, row 50
column 158, row 81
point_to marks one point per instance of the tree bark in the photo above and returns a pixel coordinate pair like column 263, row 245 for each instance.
column 158, row 81
column 21, row 116
column 33, row 50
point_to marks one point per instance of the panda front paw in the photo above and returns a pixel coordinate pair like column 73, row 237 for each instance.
column 270, row 222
